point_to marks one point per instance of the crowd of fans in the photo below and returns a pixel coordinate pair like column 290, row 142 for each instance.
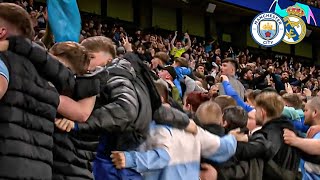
column 146, row 105
column 315, row 3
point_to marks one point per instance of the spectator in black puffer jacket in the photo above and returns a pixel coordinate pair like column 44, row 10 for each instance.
column 29, row 105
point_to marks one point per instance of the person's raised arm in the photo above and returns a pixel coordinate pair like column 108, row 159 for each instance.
column 231, row 92
column 186, row 35
column 174, row 39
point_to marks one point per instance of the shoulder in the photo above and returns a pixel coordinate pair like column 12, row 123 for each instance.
column 120, row 64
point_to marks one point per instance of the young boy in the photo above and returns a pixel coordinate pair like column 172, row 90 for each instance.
column 73, row 147
column 167, row 154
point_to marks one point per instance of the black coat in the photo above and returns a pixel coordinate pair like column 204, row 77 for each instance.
column 284, row 157
column 28, row 110
column 73, row 152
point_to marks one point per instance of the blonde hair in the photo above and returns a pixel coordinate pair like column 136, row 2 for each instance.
column 99, row 43
column 209, row 113
column 224, row 101
column 271, row 102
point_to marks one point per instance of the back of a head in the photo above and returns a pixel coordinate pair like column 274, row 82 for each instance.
column 164, row 57
column 253, row 94
column 98, row 44
column 74, row 54
column 209, row 113
column 292, row 100
column 195, row 99
column 314, row 103
column 224, row 101
column 16, row 20
column 235, row 116
column 271, row 103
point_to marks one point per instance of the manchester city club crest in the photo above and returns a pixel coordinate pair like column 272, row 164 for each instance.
column 267, row 29
column 295, row 27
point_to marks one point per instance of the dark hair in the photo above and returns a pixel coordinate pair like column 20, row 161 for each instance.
column 232, row 61
column 244, row 71
column 236, row 117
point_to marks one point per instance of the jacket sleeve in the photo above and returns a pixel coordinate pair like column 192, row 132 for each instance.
column 147, row 161
column 176, row 95
column 257, row 147
column 119, row 113
column 259, row 79
column 155, row 158
column 215, row 148
column 47, row 66
column 231, row 92
column 279, row 85
column 172, row 117
column 178, row 86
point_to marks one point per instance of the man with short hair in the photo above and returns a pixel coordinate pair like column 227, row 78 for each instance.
column 229, row 68
column 266, row 143
column 312, row 118
column 249, row 81
column 178, row 49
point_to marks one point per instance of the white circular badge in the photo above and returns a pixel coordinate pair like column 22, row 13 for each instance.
column 267, row 29
column 295, row 29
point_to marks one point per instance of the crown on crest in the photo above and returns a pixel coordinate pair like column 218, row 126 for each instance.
column 267, row 26
column 293, row 10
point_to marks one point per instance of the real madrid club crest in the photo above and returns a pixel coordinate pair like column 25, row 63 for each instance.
column 267, row 29
column 294, row 26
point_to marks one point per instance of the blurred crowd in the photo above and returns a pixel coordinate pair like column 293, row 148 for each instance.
column 315, row 3
column 141, row 104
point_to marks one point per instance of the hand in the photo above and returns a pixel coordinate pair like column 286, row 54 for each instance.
column 64, row 124
column 176, row 33
column 208, row 172
column 192, row 127
column 224, row 78
column 238, row 135
column 289, row 137
column 312, row 69
column 4, row 45
column 307, row 92
column 271, row 70
column 288, row 88
column 118, row 159
column 126, row 44
column 186, row 35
